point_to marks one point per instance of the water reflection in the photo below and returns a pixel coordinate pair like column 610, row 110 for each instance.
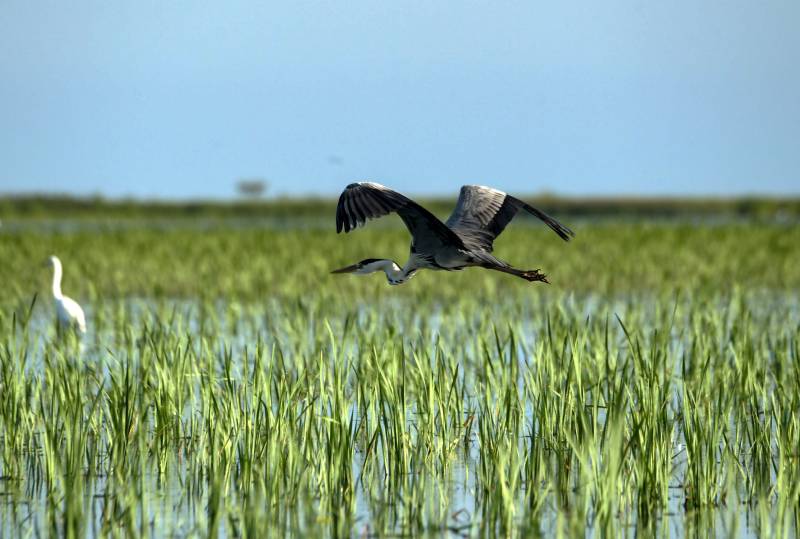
column 170, row 498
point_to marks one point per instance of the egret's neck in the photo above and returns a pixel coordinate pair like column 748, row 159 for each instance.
column 57, row 280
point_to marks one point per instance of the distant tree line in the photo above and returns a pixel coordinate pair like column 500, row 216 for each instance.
column 96, row 207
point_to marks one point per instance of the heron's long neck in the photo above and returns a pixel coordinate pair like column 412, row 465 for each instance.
column 397, row 275
column 57, row 281
column 394, row 274
column 392, row 270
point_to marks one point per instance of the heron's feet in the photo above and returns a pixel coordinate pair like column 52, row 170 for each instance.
column 534, row 275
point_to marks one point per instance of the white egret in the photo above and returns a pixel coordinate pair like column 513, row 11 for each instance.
column 68, row 311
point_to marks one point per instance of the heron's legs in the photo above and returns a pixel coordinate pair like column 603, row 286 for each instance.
column 528, row 275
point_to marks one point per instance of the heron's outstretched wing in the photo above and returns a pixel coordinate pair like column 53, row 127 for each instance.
column 482, row 213
column 367, row 200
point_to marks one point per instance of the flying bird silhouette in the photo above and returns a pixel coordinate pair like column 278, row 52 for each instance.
column 466, row 239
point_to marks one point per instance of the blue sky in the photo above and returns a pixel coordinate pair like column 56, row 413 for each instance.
column 180, row 99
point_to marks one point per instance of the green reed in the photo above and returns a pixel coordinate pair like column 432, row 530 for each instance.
column 230, row 386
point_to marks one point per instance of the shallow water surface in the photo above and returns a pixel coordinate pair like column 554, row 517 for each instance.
column 573, row 415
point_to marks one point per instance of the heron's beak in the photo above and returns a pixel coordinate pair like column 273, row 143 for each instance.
column 348, row 269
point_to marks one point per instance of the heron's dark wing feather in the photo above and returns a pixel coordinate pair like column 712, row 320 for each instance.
column 362, row 201
column 482, row 213
column 564, row 232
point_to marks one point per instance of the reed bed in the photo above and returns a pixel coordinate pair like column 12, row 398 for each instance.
column 229, row 386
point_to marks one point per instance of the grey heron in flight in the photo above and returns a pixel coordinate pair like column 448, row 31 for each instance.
column 465, row 239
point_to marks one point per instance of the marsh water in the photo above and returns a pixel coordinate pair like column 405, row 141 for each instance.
column 229, row 386
column 175, row 502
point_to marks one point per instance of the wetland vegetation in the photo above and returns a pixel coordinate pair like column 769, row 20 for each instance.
column 228, row 385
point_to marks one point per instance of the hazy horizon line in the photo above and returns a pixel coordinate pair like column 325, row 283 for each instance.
column 279, row 197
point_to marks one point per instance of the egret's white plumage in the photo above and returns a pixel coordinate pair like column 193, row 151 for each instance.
column 68, row 311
